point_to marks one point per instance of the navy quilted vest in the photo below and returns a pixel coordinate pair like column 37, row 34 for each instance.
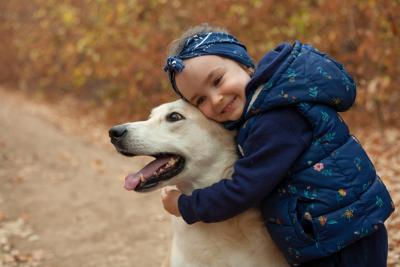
column 332, row 195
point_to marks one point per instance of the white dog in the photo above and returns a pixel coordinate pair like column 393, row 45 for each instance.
column 194, row 152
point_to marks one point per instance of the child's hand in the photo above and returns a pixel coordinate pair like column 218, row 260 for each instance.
column 169, row 197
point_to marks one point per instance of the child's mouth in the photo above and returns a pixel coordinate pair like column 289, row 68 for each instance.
column 228, row 107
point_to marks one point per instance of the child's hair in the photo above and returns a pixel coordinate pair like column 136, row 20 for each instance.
column 177, row 45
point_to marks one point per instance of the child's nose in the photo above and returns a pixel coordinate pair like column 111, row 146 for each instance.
column 216, row 99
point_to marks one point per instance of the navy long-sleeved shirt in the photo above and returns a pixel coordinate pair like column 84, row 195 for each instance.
column 272, row 147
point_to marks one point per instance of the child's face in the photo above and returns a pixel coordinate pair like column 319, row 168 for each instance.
column 215, row 85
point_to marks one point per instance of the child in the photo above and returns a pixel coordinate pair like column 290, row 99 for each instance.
column 318, row 192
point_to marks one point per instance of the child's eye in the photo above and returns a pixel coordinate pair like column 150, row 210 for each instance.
column 200, row 100
column 218, row 80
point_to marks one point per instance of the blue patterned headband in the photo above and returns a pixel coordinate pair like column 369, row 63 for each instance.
column 211, row 43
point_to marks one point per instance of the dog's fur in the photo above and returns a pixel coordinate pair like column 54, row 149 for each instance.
column 209, row 152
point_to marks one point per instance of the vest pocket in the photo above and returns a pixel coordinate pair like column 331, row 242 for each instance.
column 302, row 223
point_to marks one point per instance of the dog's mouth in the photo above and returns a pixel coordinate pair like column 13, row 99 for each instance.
column 164, row 167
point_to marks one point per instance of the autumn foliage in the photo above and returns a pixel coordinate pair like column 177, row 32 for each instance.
column 111, row 52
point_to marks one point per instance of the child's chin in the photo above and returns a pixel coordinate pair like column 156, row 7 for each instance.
column 236, row 114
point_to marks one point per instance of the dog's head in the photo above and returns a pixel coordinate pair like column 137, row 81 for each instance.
column 185, row 145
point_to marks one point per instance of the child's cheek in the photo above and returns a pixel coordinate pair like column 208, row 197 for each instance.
column 206, row 112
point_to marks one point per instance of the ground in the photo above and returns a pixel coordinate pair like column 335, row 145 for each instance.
column 62, row 202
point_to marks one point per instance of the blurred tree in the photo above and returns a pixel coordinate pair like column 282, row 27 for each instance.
column 111, row 52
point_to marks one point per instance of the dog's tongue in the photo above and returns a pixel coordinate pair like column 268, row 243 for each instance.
column 133, row 179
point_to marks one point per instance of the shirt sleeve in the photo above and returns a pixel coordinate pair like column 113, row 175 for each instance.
column 275, row 142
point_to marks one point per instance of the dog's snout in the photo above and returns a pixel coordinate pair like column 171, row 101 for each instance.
column 117, row 132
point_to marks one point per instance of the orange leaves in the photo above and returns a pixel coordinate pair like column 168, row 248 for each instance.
column 69, row 15
column 95, row 47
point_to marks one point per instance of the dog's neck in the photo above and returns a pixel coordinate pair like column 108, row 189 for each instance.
column 222, row 168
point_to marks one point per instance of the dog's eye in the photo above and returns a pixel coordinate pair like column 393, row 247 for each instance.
column 174, row 116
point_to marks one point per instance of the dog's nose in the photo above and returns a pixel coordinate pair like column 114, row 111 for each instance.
column 117, row 132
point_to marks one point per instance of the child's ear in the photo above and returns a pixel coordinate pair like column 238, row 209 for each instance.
column 250, row 71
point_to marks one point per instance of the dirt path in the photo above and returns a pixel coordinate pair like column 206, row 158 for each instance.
column 62, row 202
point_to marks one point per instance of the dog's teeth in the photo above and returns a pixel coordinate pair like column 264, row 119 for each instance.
column 157, row 172
column 142, row 179
column 171, row 162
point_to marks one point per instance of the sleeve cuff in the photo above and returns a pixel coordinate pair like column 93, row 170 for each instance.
column 185, row 208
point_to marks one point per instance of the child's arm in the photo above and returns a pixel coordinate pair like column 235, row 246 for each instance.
column 275, row 143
